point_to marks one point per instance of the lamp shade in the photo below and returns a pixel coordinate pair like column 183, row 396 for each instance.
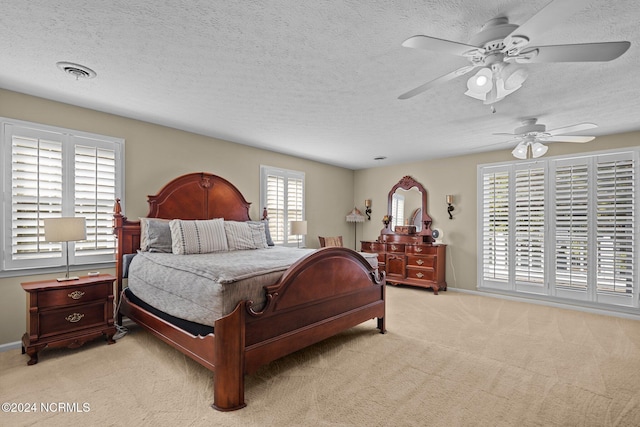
column 520, row 152
column 299, row 228
column 65, row 229
column 355, row 216
column 538, row 149
column 480, row 83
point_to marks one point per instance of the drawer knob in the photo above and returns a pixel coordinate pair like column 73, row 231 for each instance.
column 394, row 247
column 372, row 246
column 418, row 249
column 419, row 275
column 76, row 294
column 74, row 318
column 419, row 262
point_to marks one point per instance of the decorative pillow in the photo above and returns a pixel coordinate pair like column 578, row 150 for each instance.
column 245, row 235
column 267, row 233
column 155, row 235
column 198, row 236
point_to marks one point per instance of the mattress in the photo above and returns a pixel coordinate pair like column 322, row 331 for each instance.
column 202, row 288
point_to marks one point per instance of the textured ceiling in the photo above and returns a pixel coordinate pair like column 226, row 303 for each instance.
column 315, row 79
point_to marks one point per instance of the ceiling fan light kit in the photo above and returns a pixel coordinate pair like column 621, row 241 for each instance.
column 500, row 45
column 531, row 135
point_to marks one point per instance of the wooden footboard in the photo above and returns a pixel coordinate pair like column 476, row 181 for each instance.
column 322, row 294
column 327, row 292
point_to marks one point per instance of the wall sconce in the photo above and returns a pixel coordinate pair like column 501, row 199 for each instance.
column 367, row 205
column 450, row 203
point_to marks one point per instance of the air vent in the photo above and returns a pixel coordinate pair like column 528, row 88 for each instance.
column 76, row 70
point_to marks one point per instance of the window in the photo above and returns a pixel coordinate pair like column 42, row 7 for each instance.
column 53, row 172
column 282, row 193
column 564, row 227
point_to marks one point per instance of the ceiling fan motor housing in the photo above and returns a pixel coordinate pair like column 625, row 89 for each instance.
column 530, row 126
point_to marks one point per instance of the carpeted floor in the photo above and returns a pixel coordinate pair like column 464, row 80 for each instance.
column 453, row 359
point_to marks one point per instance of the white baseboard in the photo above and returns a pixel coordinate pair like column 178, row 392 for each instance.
column 593, row 310
column 10, row 346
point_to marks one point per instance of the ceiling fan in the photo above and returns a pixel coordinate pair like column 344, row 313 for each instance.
column 500, row 45
column 531, row 135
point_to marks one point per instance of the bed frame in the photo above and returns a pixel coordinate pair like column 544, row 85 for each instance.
column 331, row 290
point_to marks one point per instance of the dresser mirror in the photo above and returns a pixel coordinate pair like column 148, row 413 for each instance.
column 407, row 205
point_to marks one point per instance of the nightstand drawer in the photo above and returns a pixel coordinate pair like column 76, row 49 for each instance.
column 72, row 318
column 74, row 295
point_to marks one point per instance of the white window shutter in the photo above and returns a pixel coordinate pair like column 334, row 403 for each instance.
column 572, row 224
column 283, row 196
column 95, row 191
column 495, row 226
column 615, row 224
column 54, row 172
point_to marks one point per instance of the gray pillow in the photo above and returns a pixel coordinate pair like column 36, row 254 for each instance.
column 158, row 236
column 266, row 231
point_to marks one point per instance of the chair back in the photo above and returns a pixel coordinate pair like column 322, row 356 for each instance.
column 330, row 241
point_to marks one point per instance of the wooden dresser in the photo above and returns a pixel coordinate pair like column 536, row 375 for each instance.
column 410, row 260
column 67, row 313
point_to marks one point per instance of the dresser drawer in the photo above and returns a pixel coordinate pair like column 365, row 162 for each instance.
column 422, row 249
column 372, row 247
column 395, row 247
column 421, row 261
column 74, row 295
column 68, row 319
column 421, row 274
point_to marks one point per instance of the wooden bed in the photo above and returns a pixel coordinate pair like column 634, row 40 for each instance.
column 331, row 290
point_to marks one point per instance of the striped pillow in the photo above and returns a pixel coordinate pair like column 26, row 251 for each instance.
column 198, row 236
column 245, row 235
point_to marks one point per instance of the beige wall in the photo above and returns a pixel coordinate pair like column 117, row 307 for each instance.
column 154, row 155
column 456, row 176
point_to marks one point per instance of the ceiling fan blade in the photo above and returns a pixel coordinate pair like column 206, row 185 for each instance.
column 506, row 134
column 450, row 76
column 587, row 52
column 570, row 138
column 573, row 128
column 432, row 43
column 553, row 13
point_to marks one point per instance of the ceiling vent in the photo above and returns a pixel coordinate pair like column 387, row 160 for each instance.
column 76, row 70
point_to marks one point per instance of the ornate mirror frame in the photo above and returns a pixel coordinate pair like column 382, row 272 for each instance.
column 406, row 183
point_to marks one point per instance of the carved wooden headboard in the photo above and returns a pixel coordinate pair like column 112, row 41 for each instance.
column 197, row 195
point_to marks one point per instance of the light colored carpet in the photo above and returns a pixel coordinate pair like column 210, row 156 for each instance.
column 453, row 359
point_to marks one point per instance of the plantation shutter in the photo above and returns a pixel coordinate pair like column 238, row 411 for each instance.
column 53, row 172
column 283, row 196
column 95, row 192
column 615, row 224
column 36, row 193
column 529, row 225
column 275, row 207
column 572, row 224
column 495, row 225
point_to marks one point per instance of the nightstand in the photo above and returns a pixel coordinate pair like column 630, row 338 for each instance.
column 67, row 314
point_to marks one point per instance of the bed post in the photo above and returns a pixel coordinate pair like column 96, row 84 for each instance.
column 228, row 357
